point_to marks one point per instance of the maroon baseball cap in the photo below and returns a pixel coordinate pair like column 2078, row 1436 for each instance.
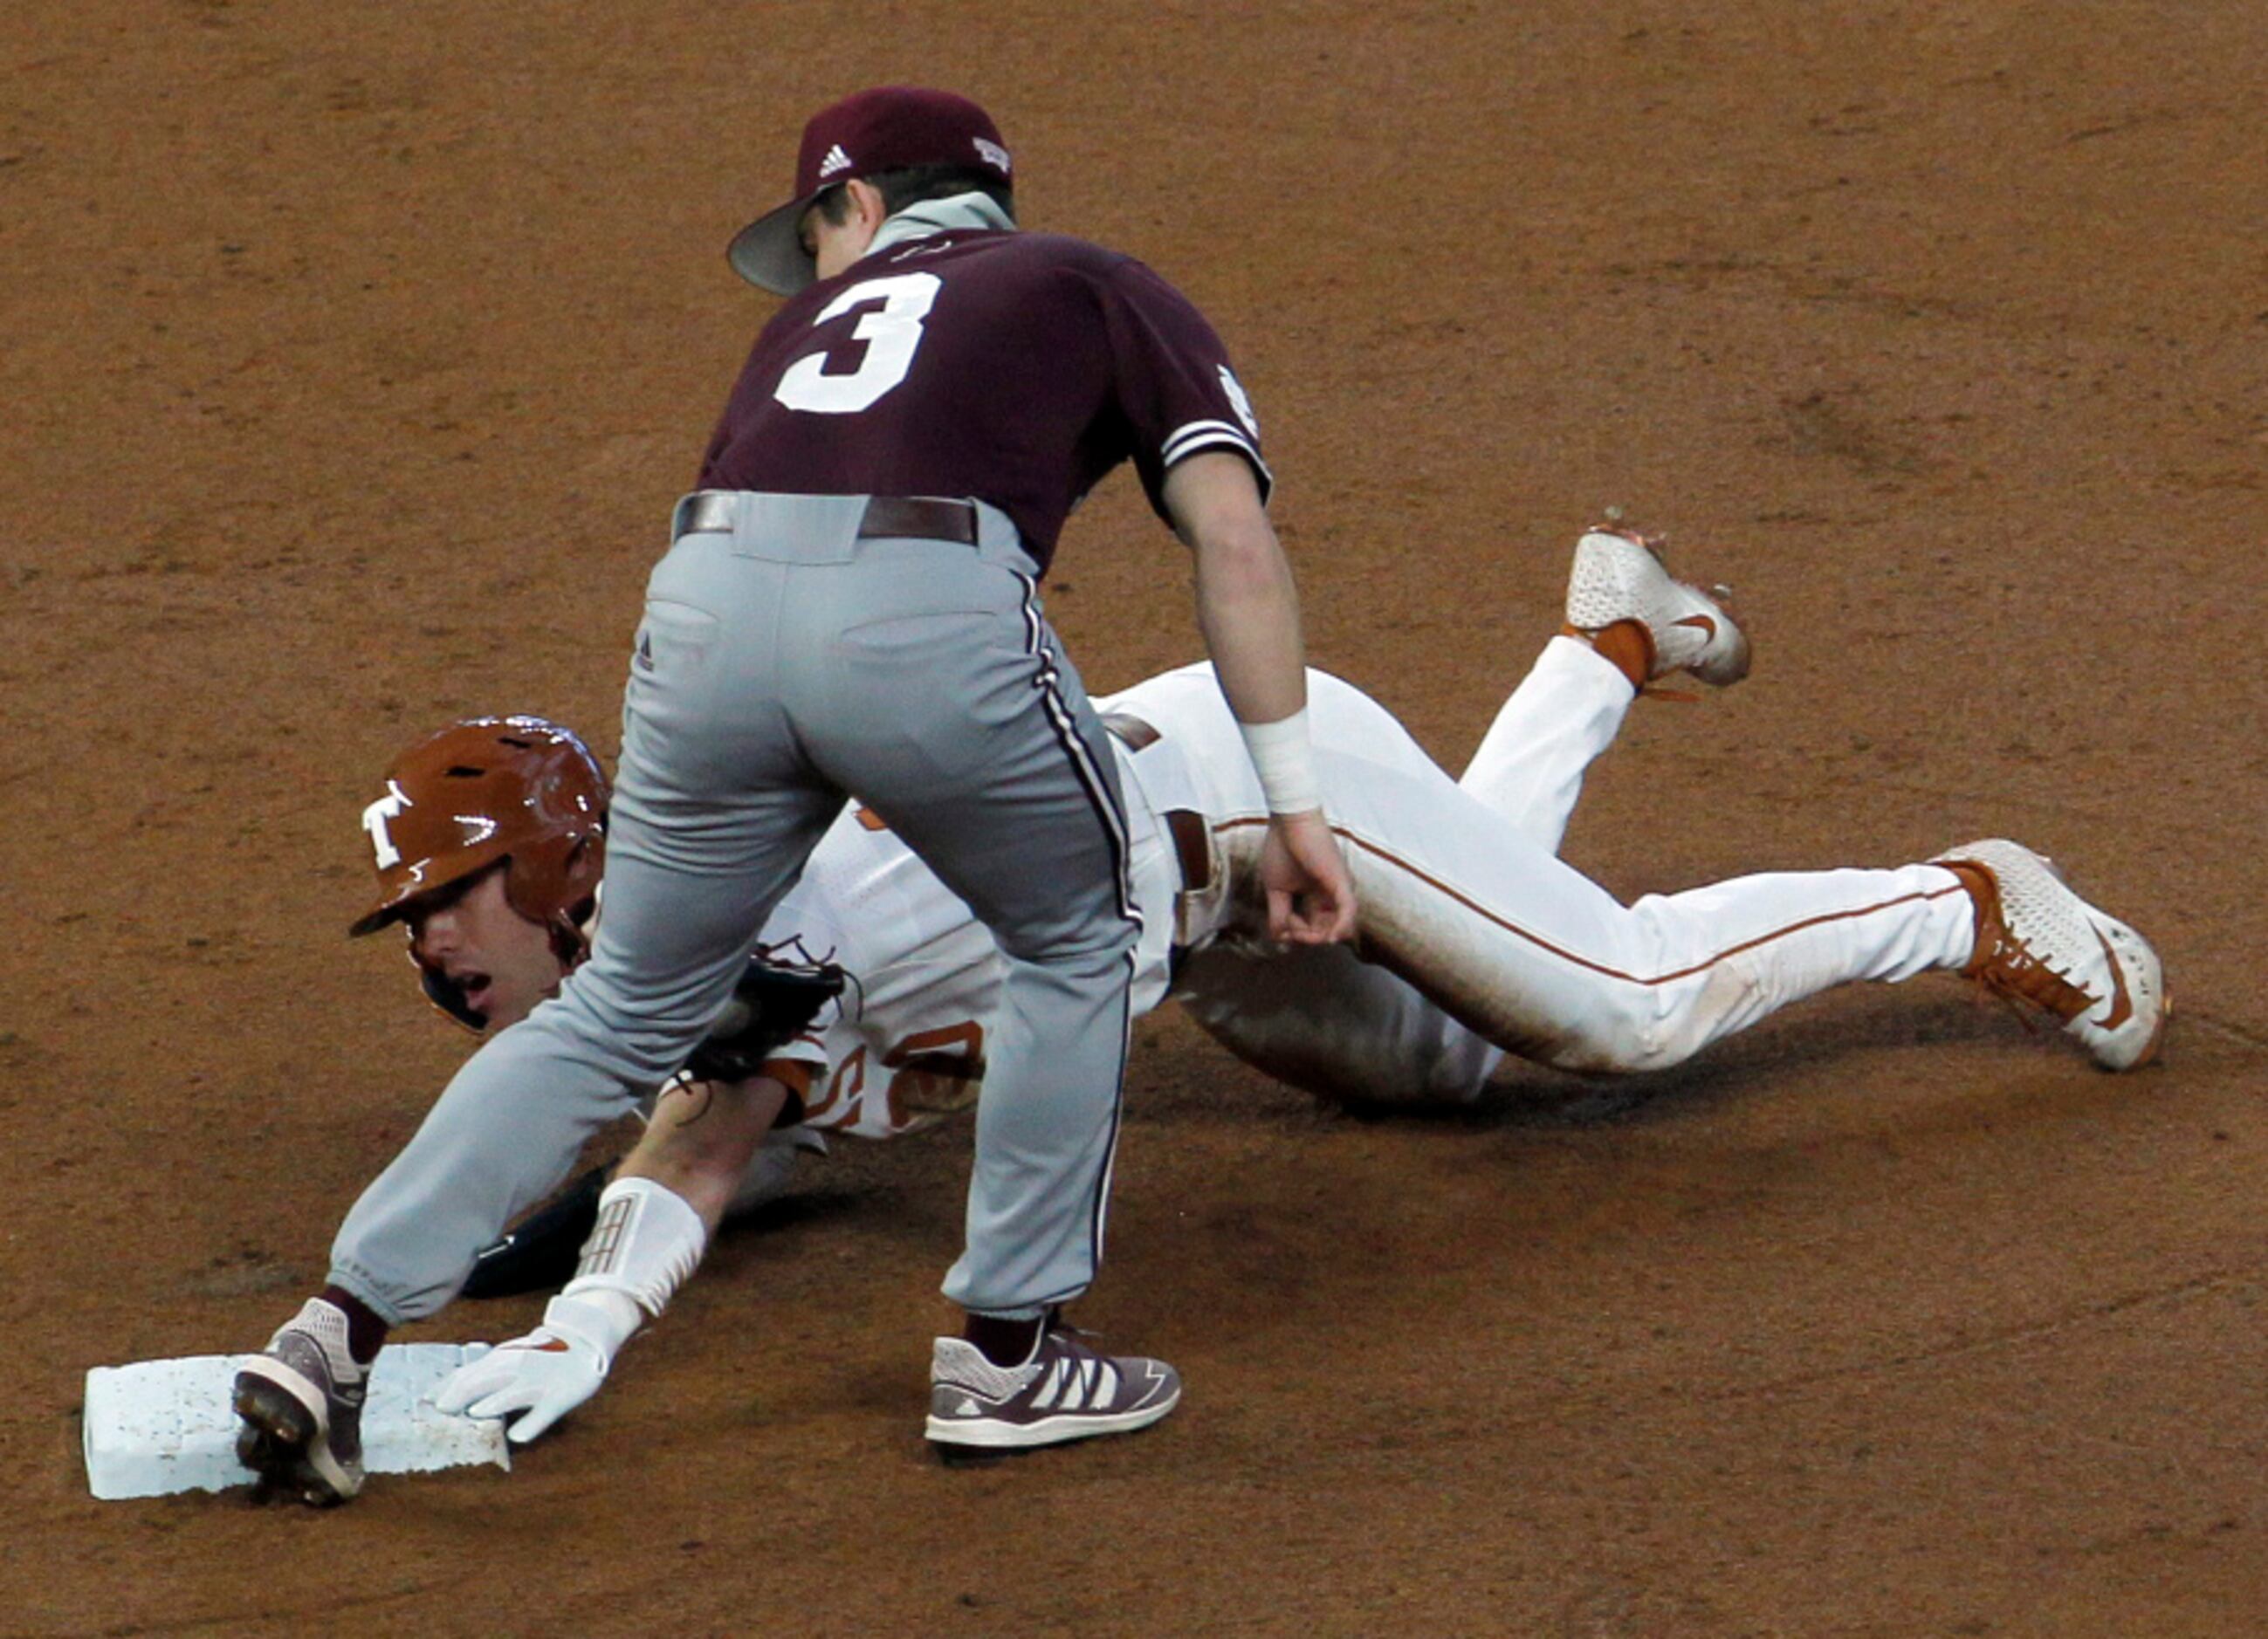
column 888, row 129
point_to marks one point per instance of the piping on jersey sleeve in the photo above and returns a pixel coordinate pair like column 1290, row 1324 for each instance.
column 1191, row 436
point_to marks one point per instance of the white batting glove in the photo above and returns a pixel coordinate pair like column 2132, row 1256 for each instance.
column 539, row 1378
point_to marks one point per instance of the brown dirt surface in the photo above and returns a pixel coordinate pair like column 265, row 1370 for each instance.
column 354, row 357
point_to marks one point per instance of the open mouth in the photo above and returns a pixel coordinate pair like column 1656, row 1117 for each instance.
column 474, row 988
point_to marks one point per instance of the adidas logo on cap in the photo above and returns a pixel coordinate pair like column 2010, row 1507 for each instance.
column 836, row 160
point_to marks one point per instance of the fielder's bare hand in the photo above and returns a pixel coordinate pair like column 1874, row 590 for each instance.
column 1310, row 895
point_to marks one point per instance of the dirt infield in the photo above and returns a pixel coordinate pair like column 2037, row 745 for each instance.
column 353, row 358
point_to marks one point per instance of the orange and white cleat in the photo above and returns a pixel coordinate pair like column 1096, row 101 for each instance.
column 2040, row 944
column 1619, row 580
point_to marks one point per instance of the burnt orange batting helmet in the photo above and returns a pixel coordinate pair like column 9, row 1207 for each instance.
column 519, row 789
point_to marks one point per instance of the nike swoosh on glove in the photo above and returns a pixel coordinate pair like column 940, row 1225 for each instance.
column 536, row 1380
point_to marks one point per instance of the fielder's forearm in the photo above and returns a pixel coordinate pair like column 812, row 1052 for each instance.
column 1250, row 611
column 1248, row 605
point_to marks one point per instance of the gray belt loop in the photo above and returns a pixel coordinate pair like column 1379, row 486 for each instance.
column 704, row 512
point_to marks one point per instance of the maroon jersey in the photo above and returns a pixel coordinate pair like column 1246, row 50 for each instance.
column 1015, row 368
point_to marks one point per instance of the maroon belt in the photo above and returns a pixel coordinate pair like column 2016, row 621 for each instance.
column 886, row 517
column 1188, row 830
column 915, row 518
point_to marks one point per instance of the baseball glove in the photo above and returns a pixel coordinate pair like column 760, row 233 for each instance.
column 773, row 1004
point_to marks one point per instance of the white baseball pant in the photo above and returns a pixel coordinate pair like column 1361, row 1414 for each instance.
column 1476, row 938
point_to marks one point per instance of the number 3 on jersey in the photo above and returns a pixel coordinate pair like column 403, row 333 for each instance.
column 891, row 333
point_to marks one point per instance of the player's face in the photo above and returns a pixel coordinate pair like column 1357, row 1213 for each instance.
column 834, row 245
column 502, row 962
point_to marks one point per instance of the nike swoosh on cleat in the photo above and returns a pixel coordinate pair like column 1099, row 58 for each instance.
column 2122, row 1005
column 1707, row 627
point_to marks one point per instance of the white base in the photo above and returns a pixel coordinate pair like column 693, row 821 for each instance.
column 161, row 1426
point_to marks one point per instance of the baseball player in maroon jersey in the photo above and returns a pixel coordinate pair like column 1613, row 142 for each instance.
column 851, row 605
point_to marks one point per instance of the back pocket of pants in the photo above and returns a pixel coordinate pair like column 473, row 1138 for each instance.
column 673, row 638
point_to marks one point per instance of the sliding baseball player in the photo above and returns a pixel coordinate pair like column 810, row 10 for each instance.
column 1476, row 941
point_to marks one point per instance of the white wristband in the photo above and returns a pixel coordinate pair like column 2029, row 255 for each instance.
column 647, row 1240
column 1285, row 761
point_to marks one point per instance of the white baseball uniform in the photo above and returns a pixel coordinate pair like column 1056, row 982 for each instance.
column 1476, row 940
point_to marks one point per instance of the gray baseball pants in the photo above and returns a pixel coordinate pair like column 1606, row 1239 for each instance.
column 783, row 664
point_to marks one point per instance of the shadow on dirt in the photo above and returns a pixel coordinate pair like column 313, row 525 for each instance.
column 1532, row 1096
